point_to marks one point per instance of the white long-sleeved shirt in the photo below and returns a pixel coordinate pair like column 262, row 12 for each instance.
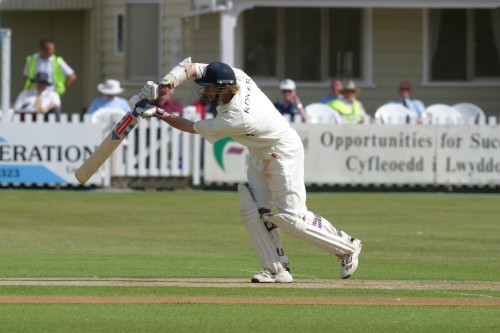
column 250, row 117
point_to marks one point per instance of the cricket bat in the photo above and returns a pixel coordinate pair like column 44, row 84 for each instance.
column 107, row 146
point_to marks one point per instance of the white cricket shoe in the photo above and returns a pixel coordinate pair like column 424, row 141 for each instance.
column 266, row 276
column 349, row 262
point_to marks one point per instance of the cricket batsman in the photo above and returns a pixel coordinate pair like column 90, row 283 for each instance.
column 275, row 172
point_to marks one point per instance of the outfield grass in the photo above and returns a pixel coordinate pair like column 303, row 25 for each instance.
column 228, row 318
column 195, row 234
column 243, row 318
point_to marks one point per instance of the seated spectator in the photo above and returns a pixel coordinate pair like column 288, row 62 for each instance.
column 336, row 87
column 415, row 106
column 349, row 107
column 170, row 105
column 290, row 103
column 110, row 90
column 38, row 99
column 203, row 108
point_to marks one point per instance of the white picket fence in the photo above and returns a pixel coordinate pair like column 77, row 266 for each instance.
column 154, row 149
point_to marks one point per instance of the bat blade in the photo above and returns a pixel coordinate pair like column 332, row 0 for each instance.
column 106, row 147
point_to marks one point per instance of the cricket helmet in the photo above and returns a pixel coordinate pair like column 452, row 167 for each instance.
column 217, row 73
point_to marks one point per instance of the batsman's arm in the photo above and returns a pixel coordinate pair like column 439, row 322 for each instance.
column 176, row 76
column 149, row 109
column 180, row 123
column 180, row 73
column 153, row 90
column 191, row 70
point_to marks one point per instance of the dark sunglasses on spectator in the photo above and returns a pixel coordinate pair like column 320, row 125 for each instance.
column 404, row 88
column 286, row 91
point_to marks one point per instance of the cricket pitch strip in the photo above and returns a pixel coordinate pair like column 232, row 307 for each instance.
column 446, row 287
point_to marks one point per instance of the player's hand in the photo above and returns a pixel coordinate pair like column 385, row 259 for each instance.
column 132, row 102
column 163, row 89
column 147, row 111
column 149, row 91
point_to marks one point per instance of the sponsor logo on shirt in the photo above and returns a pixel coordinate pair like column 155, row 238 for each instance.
column 247, row 95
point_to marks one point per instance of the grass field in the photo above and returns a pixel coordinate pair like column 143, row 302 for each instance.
column 447, row 242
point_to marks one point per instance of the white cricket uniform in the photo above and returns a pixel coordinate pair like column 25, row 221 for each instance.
column 276, row 168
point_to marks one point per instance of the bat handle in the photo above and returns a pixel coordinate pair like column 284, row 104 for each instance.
column 142, row 103
column 132, row 102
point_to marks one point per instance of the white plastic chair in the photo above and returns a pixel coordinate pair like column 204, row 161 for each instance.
column 393, row 113
column 442, row 114
column 106, row 115
column 470, row 112
column 189, row 112
column 319, row 113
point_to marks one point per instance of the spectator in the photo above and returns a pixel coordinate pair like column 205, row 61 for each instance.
column 349, row 107
column 415, row 106
column 110, row 90
column 169, row 104
column 203, row 108
column 60, row 75
column 39, row 99
column 336, row 87
column 290, row 103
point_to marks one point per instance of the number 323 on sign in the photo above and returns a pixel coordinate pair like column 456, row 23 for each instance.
column 9, row 173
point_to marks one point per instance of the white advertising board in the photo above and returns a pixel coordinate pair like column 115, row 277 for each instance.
column 368, row 154
column 225, row 161
column 378, row 154
column 46, row 153
column 468, row 155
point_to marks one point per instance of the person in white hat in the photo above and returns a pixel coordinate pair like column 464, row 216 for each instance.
column 290, row 104
column 110, row 90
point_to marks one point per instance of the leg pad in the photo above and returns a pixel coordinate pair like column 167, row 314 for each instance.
column 257, row 231
column 314, row 229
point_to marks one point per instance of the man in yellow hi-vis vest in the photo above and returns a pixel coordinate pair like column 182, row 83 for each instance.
column 349, row 107
column 45, row 61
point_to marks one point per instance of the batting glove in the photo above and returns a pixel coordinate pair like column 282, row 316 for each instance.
column 149, row 90
column 146, row 110
column 132, row 102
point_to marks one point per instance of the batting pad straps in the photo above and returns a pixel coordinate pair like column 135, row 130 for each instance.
column 274, row 233
column 258, row 233
column 315, row 230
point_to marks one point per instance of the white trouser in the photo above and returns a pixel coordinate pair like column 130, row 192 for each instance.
column 316, row 230
column 276, row 178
